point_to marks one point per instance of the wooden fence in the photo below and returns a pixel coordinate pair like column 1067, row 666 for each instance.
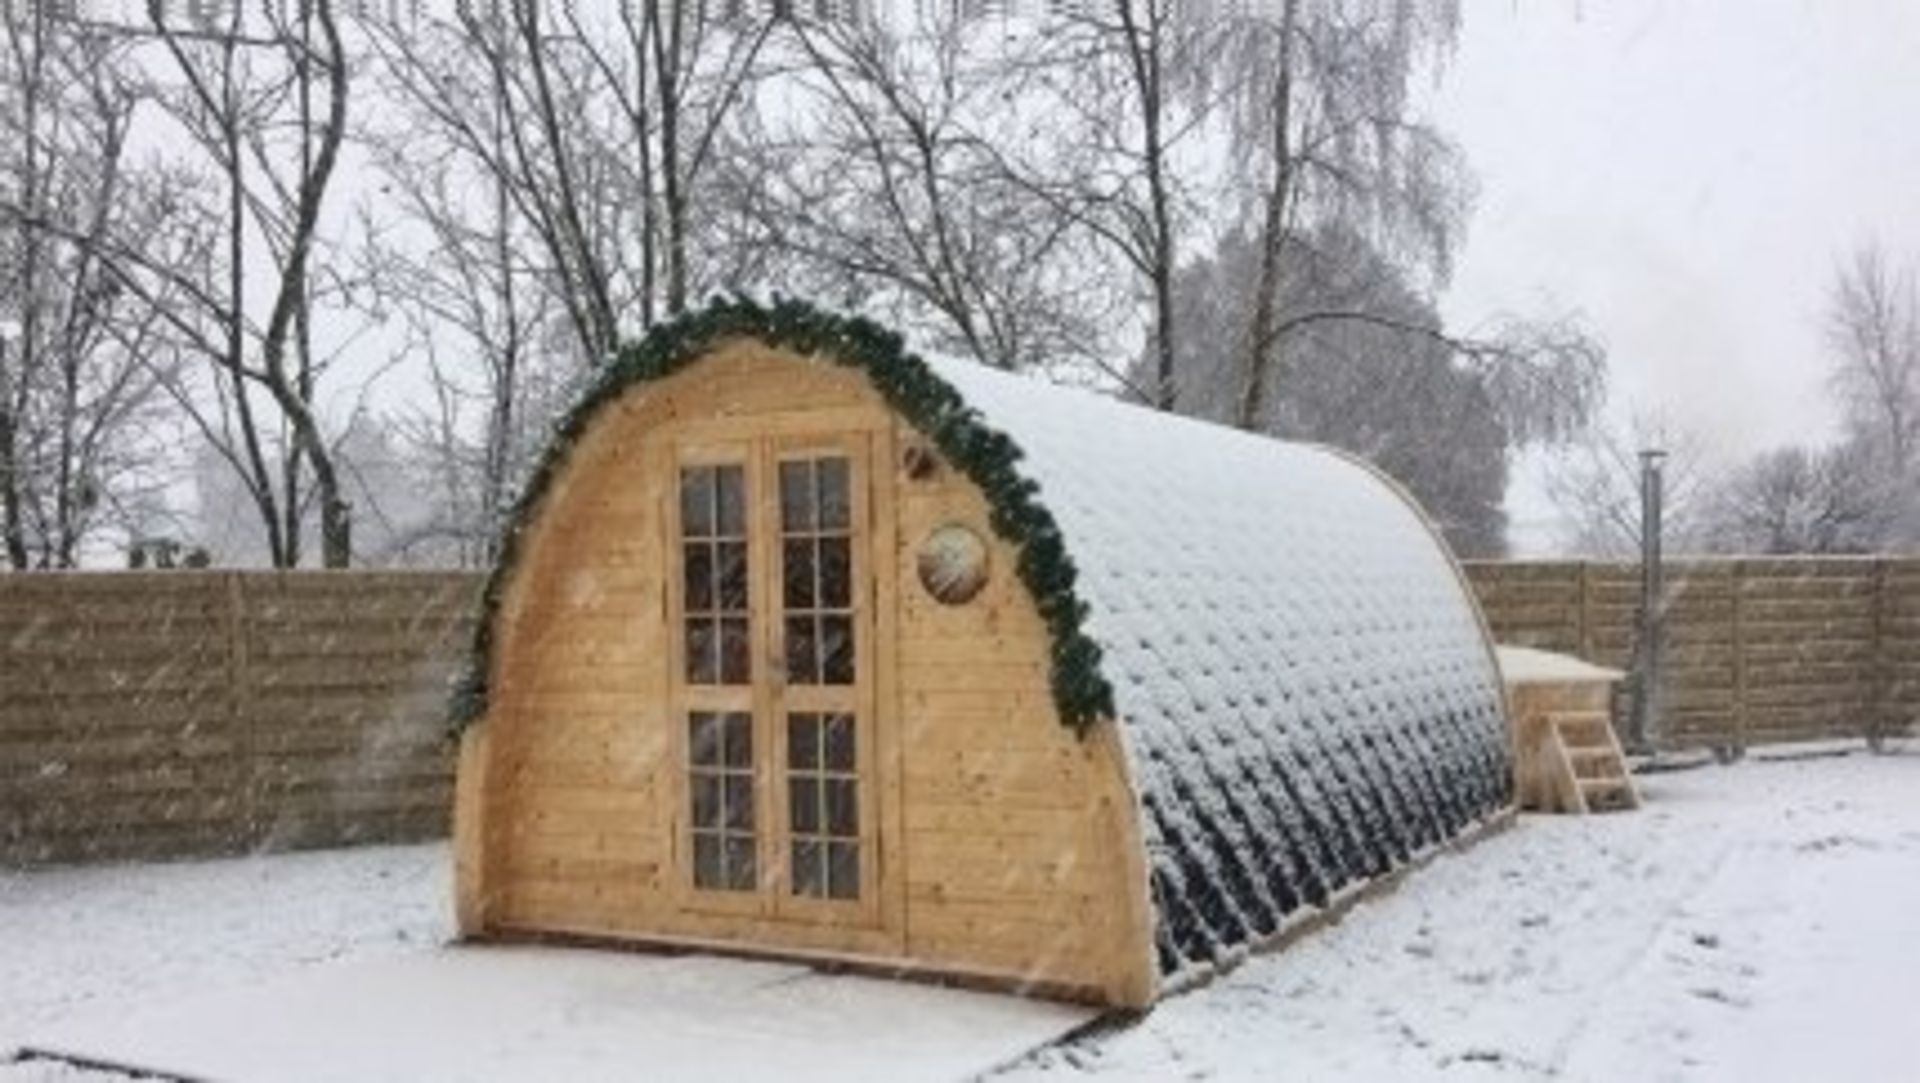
column 171, row 713
column 1758, row 650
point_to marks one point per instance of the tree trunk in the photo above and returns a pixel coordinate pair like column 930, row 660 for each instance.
column 16, row 540
column 1143, row 47
column 1262, row 344
column 667, row 43
column 294, row 394
column 25, row 349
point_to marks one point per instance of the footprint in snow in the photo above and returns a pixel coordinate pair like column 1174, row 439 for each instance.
column 1835, row 842
column 1721, row 996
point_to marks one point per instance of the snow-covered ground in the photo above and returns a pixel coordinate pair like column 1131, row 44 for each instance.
column 1758, row 923
column 94, row 940
column 1753, row 923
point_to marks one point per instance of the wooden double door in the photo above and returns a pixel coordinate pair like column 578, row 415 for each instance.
column 770, row 605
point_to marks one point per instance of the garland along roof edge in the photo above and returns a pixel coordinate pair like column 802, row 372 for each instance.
column 987, row 456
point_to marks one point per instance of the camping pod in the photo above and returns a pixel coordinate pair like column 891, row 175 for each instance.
column 801, row 644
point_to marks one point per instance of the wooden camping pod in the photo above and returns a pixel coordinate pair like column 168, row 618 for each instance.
column 766, row 671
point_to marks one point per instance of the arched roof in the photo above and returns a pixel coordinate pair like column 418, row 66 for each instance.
column 1305, row 690
column 1307, row 693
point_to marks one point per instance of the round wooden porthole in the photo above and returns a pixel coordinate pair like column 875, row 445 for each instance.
column 953, row 564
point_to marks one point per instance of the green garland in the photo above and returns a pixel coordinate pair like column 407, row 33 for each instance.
column 987, row 456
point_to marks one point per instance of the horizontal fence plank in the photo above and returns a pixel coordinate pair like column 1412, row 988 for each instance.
column 163, row 714
column 158, row 715
column 1757, row 650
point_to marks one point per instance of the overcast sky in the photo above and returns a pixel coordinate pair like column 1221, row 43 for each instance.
column 1686, row 173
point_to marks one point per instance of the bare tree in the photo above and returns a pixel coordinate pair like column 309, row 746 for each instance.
column 1114, row 154
column 259, row 112
column 264, row 110
column 549, row 176
column 1873, row 327
column 1795, row 500
column 599, row 126
column 1595, row 484
column 477, row 316
column 79, row 435
column 880, row 184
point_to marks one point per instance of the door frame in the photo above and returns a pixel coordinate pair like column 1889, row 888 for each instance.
column 771, row 909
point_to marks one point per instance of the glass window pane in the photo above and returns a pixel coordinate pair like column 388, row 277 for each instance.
column 706, row 800
column 836, row 508
column 702, row 667
column 843, row 811
column 796, row 496
column 808, row 873
column 697, row 577
column 736, row 652
column 836, row 573
column 732, row 500
column 739, row 747
column 836, row 650
column 803, row 661
column 839, row 742
column 740, row 863
column 696, row 501
column 706, row 861
column 803, row 805
column 803, row 741
column 843, row 870
column 739, row 803
column 731, row 558
column 703, row 739
column 797, row 573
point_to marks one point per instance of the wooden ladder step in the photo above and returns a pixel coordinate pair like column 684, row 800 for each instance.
column 1607, row 794
column 1583, row 729
column 1597, row 763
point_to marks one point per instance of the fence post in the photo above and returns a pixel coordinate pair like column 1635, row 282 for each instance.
column 239, row 718
column 1739, row 644
column 1583, row 616
column 1879, row 712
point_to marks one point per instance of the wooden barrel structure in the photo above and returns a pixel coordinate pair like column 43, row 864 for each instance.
column 805, row 645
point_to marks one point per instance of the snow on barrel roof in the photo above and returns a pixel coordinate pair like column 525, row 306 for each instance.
column 1307, row 693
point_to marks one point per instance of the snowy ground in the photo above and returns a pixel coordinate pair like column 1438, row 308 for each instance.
column 88, row 940
column 1753, row 923
column 503, row 1013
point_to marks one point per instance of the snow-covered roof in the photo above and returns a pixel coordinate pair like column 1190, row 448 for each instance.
column 1302, row 681
column 1306, row 690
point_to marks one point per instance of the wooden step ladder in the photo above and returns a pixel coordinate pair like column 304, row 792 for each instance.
column 1588, row 765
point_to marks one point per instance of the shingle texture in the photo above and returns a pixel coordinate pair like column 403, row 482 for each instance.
column 1304, row 688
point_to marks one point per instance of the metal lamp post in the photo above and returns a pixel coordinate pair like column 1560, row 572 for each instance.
column 1647, row 698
